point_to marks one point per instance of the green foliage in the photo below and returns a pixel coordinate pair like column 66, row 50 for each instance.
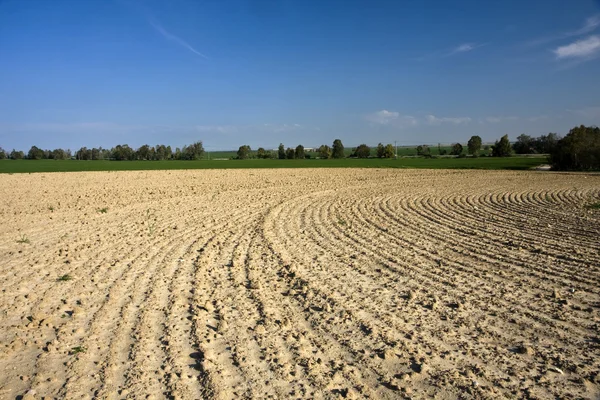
column 362, row 151
column 290, row 153
column 389, row 151
column 579, row 150
column 337, row 149
column 17, row 155
column 457, row 149
column 594, row 206
column 64, row 278
column 23, row 239
column 324, row 151
column 474, row 145
column 150, row 222
column 502, row 148
column 243, row 152
column 423, row 150
column 299, row 153
column 524, row 144
column 2, row 154
column 262, row 153
column 103, row 210
column 78, row 349
column 195, row 151
column 281, row 152
column 35, row 153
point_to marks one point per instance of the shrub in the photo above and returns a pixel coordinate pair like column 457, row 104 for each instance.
column 474, row 145
column 502, row 148
column 457, row 149
column 579, row 150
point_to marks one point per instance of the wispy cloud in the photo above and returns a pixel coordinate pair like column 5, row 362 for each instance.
column 584, row 48
column 433, row 120
column 587, row 112
column 590, row 24
column 465, row 48
column 394, row 118
column 168, row 35
column 496, row 119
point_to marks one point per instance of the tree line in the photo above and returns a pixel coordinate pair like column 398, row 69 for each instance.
column 121, row 152
column 578, row 150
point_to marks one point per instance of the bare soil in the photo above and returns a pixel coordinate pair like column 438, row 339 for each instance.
column 300, row 284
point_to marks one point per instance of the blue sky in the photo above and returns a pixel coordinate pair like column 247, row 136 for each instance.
column 259, row 72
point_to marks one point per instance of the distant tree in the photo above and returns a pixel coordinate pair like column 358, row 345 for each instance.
column 545, row 144
column 95, row 153
column 380, row 150
column 281, row 152
column 525, row 144
column 290, row 153
column 160, row 152
column 122, row 152
column 177, row 154
column 17, row 155
column 243, row 152
column 502, row 148
column 261, row 153
column 474, row 145
column 35, row 153
column 324, row 151
column 59, row 154
column 441, row 152
column 195, row 151
column 423, row 150
column 362, row 151
column 2, row 154
column 299, row 153
column 337, row 149
column 143, row 153
column 579, row 150
column 388, row 151
column 457, row 149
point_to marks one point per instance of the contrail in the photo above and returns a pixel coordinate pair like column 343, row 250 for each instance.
column 174, row 38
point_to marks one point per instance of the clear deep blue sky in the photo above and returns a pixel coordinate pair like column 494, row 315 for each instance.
column 102, row 72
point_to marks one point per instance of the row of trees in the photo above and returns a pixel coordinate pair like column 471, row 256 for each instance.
column 120, row 152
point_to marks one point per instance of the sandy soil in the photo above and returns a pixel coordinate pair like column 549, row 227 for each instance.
column 300, row 284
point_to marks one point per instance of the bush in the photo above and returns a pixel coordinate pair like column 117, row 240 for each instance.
column 457, row 149
column 281, row 152
column 579, row 150
column 362, row 151
column 243, row 152
column 324, row 151
column 299, row 153
column 424, row 150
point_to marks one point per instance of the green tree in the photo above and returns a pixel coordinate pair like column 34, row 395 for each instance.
column 281, row 152
column 143, row 153
column 474, row 145
column 324, row 151
column 290, row 153
column 380, row 150
column 338, row 149
column 388, row 151
column 525, row 144
column 195, row 151
column 457, row 149
column 502, row 148
column 261, row 153
column 545, row 144
column 2, row 154
column 17, row 155
column 424, row 150
column 122, row 152
column 362, row 151
column 243, row 152
column 299, row 153
column 579, row 150
column 35, row 153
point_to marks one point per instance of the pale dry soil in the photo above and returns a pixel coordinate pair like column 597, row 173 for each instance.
column 300, row 284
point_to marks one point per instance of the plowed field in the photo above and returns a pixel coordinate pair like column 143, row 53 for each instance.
column 300, row 284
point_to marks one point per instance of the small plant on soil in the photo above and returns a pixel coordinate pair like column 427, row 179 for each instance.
column 65, row 278
column 78, row 349
column 103, row 210
column 594, row 206
column 150, row 221
column 23, row 239
column 342, row 222
column 51, row 208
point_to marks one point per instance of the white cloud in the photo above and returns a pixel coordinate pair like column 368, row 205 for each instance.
column 590, row 25
column 587, row 112
column 391, row 118
column 433, row 120
column 496, row 120
column 383, row 117
column 580, row 49
column 174, row 38
column 464, row 47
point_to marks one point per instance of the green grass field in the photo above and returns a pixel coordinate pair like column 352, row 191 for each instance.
column 511, row 163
